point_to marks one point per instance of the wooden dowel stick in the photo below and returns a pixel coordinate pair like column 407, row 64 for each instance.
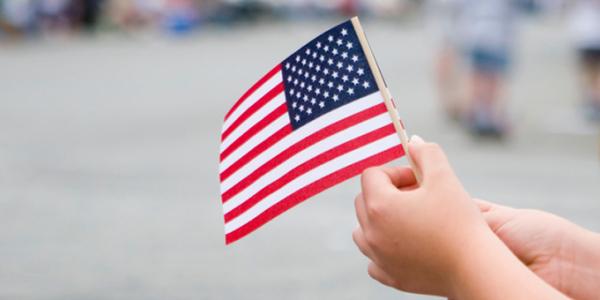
column 387, row 97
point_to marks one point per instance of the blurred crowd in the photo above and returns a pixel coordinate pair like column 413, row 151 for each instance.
column 473, row 63
column 22, row 18
column 477, row 52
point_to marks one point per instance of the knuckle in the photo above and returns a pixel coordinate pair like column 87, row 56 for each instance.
column 374, row 209
column 372, row 273
column 389, row 282
column 379, row 274
column 355, row 236
column 370, row 237
column 357, row 200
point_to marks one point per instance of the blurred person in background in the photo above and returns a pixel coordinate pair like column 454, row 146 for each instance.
column 29, row 17
column 349, row 7
column 396, row 8
column 448, row 59
column 585, row 27
column 134, row 14
column 18, row 17
column 5, row 27
column 480, row 33
column 52, row 15
column 180, row 16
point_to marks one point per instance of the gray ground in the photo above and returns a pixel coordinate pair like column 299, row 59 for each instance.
column 108, row 164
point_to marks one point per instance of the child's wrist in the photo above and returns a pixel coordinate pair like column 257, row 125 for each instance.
column 488, row 269
column 473, row 255
column 582, row 258
column 591, row 249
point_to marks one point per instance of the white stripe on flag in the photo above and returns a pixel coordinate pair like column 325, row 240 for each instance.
column 312, row 176
column 253, row 98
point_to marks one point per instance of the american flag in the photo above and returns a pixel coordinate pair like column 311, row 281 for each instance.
column 313, row 121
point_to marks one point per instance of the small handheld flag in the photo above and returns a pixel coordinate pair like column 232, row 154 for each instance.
column 316, row 119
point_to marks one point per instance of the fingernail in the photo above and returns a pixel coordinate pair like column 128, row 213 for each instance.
column 416, row 139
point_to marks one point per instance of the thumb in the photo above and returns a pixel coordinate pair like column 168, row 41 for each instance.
column 429, row 158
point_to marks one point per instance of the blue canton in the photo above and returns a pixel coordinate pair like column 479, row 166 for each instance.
column 328, row 72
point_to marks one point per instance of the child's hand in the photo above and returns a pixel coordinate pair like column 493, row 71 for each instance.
column 562, row 253
column 432, row 238
column 416, row 235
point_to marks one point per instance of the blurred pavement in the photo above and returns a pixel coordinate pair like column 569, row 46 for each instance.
column 109, row 153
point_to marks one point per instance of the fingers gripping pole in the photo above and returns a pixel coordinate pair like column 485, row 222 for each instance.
column 387, row 97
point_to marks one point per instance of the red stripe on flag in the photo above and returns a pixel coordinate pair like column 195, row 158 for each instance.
column 253, row 89
column 260, row 148
column 313, row 189
column 272, row 116
column 252, row 109
column 309, row 165
column 299, row 146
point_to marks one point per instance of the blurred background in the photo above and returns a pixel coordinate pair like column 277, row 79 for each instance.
column 110, row 116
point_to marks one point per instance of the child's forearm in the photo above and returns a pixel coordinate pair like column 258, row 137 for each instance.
column 488, row 270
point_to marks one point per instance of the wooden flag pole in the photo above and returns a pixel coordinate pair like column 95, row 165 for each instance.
column 387, row 97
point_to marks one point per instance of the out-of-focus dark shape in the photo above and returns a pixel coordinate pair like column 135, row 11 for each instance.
column 585, row 27
column 83, row 14
column 232, row 12
column 53, row 15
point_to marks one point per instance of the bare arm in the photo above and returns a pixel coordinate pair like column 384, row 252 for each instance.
column 490, row 271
